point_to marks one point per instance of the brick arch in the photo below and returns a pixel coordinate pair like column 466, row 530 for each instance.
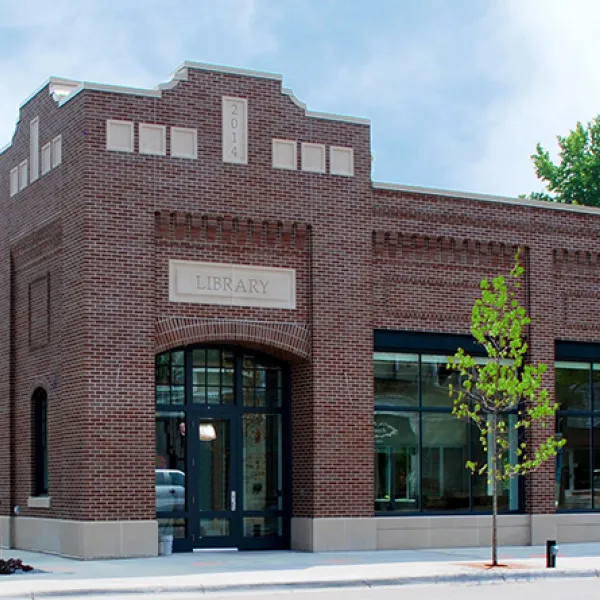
column 41, row 383
column 289, row 341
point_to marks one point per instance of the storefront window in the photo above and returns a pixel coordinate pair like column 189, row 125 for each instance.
column 421, row 448
column 577, row 387
column 170, row 467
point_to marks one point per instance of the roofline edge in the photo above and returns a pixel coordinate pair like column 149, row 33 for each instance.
column 395, row 187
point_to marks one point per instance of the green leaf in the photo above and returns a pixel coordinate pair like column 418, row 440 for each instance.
column 575, row 178
column 504, row 381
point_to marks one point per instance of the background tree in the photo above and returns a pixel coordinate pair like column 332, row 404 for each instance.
column 576, row 177
column 503, row 383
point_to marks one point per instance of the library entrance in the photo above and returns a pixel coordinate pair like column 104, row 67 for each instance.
column 222, row 449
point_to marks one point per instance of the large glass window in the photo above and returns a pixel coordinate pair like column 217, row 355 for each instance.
column 421, row 448
column 170, row 473
column 577, row 386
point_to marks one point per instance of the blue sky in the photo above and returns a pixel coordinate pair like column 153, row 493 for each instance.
column 458, row 91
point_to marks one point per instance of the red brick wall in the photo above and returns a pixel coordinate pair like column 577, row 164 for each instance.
column 37, row 342
column 41, row 236
column 131, row 188
column 365, row 258
column 432, row 251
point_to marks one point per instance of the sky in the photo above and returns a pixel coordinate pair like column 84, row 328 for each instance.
column 458, row 92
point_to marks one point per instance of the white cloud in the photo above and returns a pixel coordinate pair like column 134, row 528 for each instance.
column 458, row 93
column 547, row 52
column 461, row 100
column 136, row 43
column 413, row 77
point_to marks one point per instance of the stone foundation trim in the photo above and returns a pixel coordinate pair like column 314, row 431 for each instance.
column 85, row 539
column 38, row 502
column 5, row 532
column 399, row 533
column 410, row 533
column 328, row 535
column 565, row 528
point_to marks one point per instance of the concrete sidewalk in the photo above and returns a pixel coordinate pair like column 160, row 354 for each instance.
column 203, row 572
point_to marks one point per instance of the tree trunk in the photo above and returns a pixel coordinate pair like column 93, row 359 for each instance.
column 494, row 449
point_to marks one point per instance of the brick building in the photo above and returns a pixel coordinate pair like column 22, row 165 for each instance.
column 215, row 326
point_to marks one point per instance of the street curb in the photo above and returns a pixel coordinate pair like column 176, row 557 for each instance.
column 458, row 578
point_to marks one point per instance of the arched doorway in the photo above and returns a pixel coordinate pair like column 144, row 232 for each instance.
column 222, row 448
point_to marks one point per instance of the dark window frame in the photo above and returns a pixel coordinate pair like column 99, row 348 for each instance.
column 576, row 352
column 40, row 442
column 189, row 519
column 433, row 344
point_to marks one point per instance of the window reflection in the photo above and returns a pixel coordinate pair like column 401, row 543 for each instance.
column 572, row 385
column 170, row 480
column 261, row 464
column 573, row 465
column 421, row 449
column 577, row 386
column 261, row 383
column 170, row 378
column 396, row 379
column 214, row 456
column 436, row 380
column 212, row 376
column 396, row 461
column 445, row 451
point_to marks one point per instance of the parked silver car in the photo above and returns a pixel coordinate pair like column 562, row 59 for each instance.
column 170, row 490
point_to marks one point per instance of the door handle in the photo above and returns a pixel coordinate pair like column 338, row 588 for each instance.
column 233, row 500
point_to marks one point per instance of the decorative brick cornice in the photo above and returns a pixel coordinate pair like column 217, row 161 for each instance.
column 290, row 340
column 577, row 262
column 36, row 245
column 231, row 230
column 442, row 250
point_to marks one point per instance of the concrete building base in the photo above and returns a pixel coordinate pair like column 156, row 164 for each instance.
column 323, row 535
column 128, row 539
column 409, row 533
column 450, row 532
column 85, row 539
column 565, row 528
column 4, row 532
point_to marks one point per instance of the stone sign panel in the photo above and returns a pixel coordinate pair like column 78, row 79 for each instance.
column 231, row 285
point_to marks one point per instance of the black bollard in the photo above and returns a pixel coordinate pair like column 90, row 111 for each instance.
column 551, row 552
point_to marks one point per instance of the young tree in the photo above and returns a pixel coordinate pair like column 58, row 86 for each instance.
column 576, row 177
column 501, row 384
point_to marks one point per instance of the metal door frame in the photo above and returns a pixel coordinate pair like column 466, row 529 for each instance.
column 234, row 414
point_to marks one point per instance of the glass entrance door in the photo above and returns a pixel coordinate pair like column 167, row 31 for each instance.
column 228, row 436
column 262, row 480
column 214, row 494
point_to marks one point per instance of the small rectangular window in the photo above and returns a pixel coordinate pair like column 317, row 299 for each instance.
column 152, row 139
column 56, row 151
column 119, row 136
column 23, row 174
column 34, row 149
column 14, row 181
column 46, row 154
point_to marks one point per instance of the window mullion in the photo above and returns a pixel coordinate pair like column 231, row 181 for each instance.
column 420, row 440
column 591, row 435
column 470, row 454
